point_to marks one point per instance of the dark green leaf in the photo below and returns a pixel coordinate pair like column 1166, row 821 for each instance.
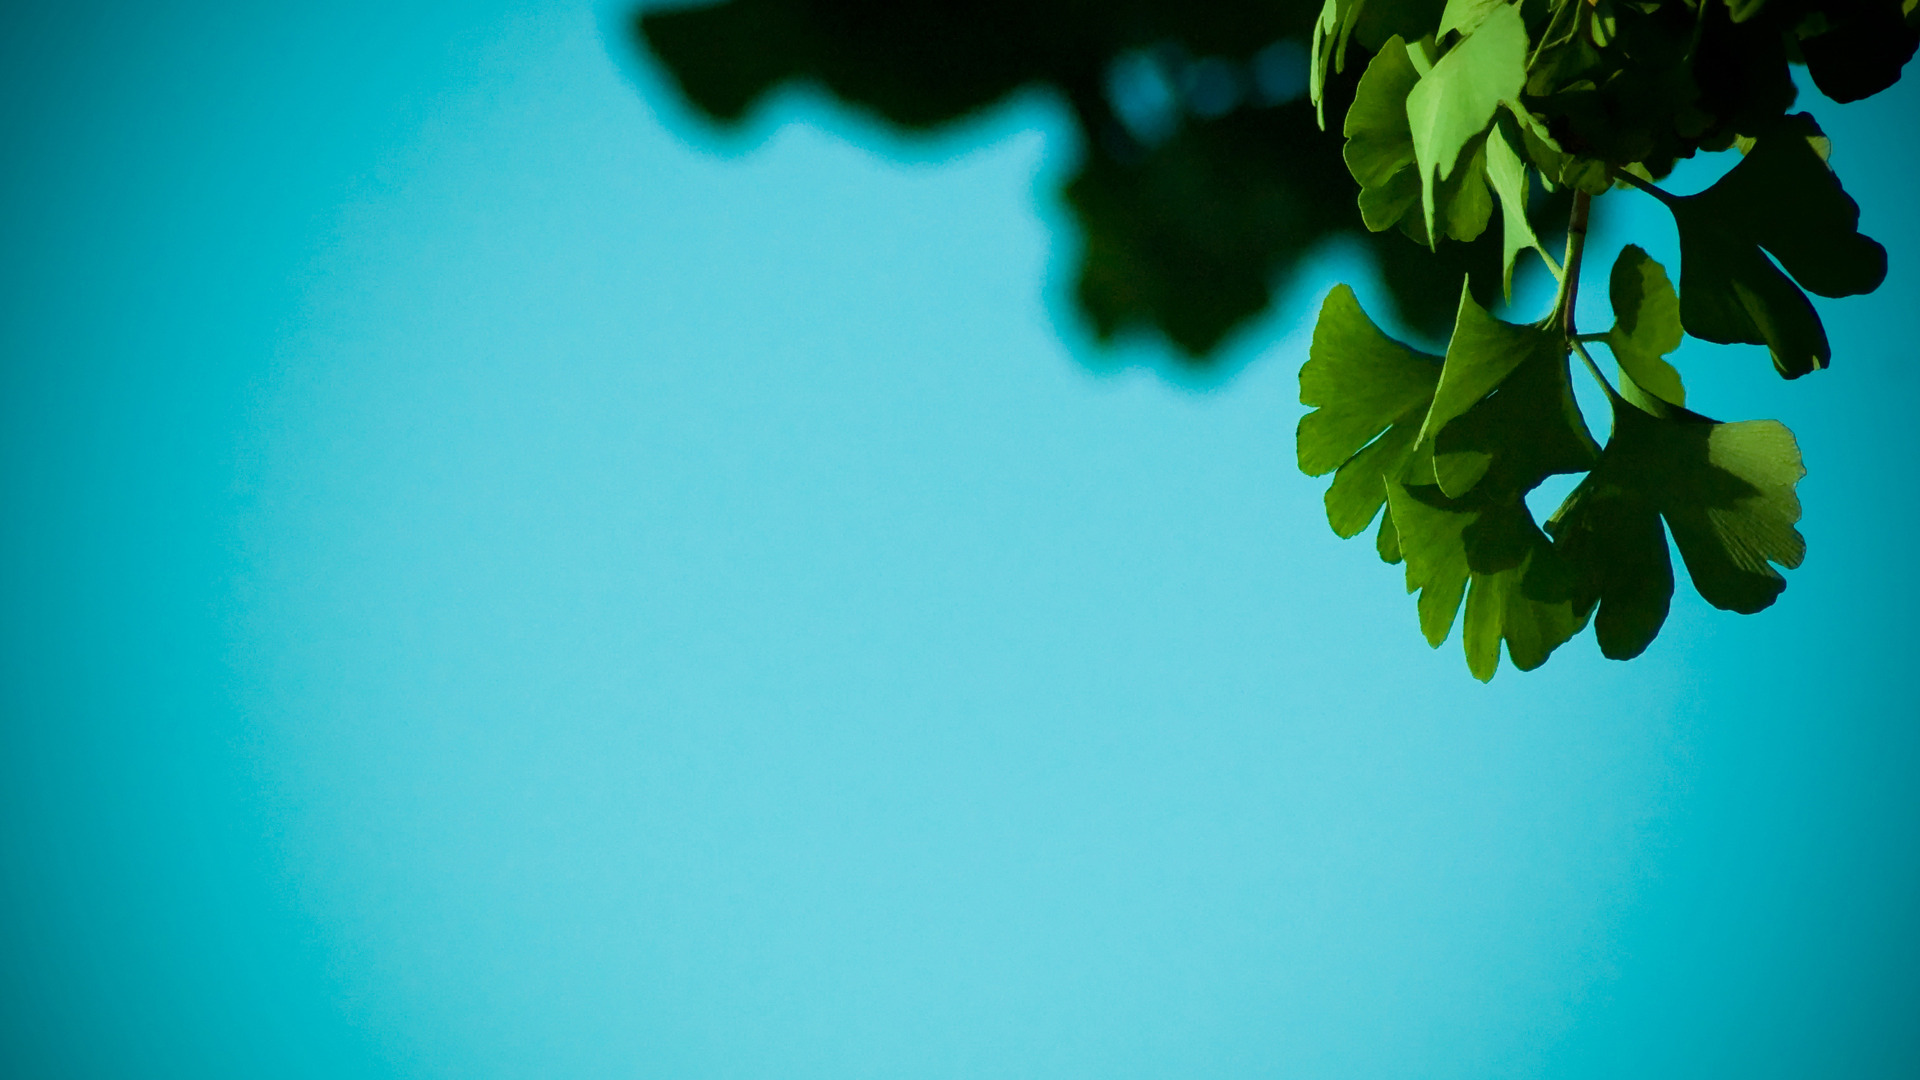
column 1504, row 408
column 1327, row 51
column 1557, row 167
column 1726, row 491
column 1379, row 154
column 1516, row 587
column 1860, row 49
column 1612, row 533
column 1646, row 326
column 1781, row 197
column 1359, row 486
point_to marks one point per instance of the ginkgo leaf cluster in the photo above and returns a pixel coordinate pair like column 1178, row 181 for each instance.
column 1473, row 103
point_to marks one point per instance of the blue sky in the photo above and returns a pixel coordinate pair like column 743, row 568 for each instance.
column 501, row 581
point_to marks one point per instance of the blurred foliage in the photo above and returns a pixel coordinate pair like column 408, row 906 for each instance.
column 1205, row 179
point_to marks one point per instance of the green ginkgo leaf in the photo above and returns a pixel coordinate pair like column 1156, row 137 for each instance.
column 1784, row 199
column 1379, row 139
column 1646, row 327
column 1328, row 50
column 1465, row 16
column 1379, row 154
column 1359, row 486
column 1372, row 22
column 1455, row 101
column 1504, row 408
column 1508, row 175
column 1369, row 394
column 1383, row 206
column 1611, row 533
column 1463, row 207
column 1517, row 588
column 1725, row 491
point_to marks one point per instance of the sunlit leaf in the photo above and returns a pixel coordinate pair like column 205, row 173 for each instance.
column 1508, row 175
column 1369, row 393
column 1455, row 101
column 1379, row 139
column 1465, row 16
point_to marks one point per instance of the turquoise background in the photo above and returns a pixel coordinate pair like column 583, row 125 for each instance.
column 501, row 581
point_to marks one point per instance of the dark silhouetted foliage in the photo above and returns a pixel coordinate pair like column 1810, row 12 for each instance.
column 1205, row 181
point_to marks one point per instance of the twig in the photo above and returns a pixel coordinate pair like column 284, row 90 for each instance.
column 1576, row 247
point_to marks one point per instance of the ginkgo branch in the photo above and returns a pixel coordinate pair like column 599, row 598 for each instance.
column 1576, row 247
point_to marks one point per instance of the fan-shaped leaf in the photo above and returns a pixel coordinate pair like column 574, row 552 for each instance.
column 1455, row 101
column 1781, row 197
column 1646, row 327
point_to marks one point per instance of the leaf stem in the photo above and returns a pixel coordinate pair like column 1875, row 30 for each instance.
column 1594, row 369
column 1643, row 185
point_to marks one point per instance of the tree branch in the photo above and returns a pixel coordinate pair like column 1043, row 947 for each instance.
column 1576, row 247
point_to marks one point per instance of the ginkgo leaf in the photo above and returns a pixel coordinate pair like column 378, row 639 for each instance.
column 1861, row 49
column 1387, row 540
column 1359, row 382
column 1465, row 16
column 1328, row 49
column 1520, row 593
column 1725, row 491
column 1504, row 408
column 1463, row 207
column 1646, row 327
column 1508, row 175
column 1381, row 207
column 1783, row 198
column 1372, row 22
column 1612, row 533
column 1359, row 486
column 1379, row 139
column 1787, row 199
column 1728, row 495
column 1431, row 543
column 1556, row 166
column 1369, row 393
column 1455, row 101
column 1379, row 154
column 1516, row 587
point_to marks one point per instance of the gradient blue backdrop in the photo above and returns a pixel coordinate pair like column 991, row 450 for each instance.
column 501, row 582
